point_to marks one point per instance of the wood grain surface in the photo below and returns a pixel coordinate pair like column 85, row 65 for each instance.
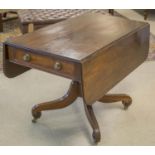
column 77, row 38
column 96, row 50
column 103, row 71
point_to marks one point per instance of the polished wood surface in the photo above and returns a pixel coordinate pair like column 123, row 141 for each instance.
column 93, row 50
column 78, row 38
column 49, row 64
column 115, row 63
column 86, row 45
column 126, row 100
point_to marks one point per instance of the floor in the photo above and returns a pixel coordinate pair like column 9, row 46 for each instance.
column 69, row 126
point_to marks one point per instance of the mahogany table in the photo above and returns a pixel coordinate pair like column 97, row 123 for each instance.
column 96, row 51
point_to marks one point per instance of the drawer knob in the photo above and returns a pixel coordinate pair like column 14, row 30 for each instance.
column 57, row 66
column 27, row 57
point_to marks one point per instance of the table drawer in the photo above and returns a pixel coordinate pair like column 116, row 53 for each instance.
column 50, row 64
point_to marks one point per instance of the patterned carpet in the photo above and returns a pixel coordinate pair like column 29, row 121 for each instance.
column 11, row 29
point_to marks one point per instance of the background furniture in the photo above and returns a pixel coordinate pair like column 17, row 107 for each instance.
column 111, row 11
column 146, row 13
column 6, row 15
column 43, row 17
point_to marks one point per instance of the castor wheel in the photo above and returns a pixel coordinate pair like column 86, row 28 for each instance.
column 35, row 115
column 127, row 103
column 96, row 136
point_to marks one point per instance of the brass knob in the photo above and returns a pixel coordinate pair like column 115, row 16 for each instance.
column 27, row 57
column 57, row 66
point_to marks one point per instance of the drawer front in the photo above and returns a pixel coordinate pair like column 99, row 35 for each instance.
column 50, row 64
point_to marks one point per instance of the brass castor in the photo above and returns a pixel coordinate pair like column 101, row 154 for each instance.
column 126, row 103
column 35, row 115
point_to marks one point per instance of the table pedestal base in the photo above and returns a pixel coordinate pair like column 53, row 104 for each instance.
column 70, row 97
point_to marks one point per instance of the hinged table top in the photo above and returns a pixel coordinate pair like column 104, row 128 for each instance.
column 95, row 50
column 77, row 38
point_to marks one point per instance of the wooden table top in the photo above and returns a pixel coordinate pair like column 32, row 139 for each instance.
column 95, row 50
column 77, row 38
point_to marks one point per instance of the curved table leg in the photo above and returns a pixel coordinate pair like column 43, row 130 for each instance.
column 64, row 101
column 93, row 122
column 126, row 100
